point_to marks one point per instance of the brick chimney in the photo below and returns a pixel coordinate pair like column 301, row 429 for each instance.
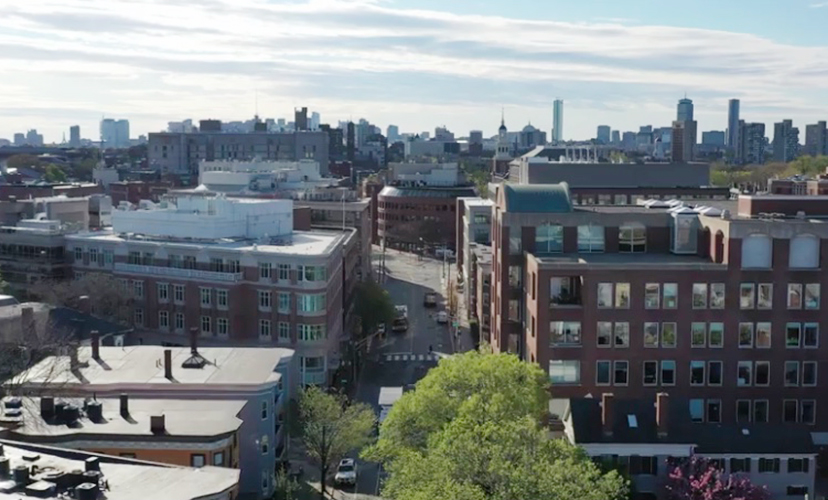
column 125, row 405
column 607, row 413
column 157, row 424
column 168, row 364
column 95, row 339
column 662, row 407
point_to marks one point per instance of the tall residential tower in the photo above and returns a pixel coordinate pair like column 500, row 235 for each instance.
column 557, row 120
column 733, row 123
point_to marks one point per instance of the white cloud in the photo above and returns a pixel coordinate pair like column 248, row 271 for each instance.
column 154, row 61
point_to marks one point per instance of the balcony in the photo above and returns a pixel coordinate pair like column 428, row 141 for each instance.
column 565, row 291
column 174, row 272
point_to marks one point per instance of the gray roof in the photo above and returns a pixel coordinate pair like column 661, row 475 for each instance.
column 61, row 320
column 537, row 198
column 428, row 192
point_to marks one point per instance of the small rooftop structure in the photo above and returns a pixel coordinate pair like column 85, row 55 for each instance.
column 540, row 198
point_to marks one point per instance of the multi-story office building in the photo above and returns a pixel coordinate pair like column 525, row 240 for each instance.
column 115, row 133
column 474, row 224
column 714, row 138
column 713, row 300
column 557, row 120
column 816, row 139
column 785, row 141
column 34, row 139
column 603, row 134
column 751, row 147
column 733, row 124
column 234, row 269
column 74, row 136
column 683, row 143
column 616, row 137
column 684, row 110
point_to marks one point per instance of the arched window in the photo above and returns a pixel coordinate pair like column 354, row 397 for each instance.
column 632, row 238
column 804, row 252
column 549, row 239
column 756, row 251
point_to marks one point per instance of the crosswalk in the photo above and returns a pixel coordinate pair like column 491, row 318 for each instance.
column 411, row 357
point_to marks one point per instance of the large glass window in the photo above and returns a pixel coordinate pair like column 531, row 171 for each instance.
column 756, row 251
column 590, row 238
column 604, row 334
column 652, row 295
column 717, row 296
column 668, row 335
column 565, row 372
column 746, row 296
column 604, row 295
column 565, row 333
column 764, row 299
column 699, row 295
column 622, row 334
column 311, row 333
column 812, row 296
column 670, row 295
column 632, row 238
column 603, row 372
column 697, row 410
column 804, row 252
column 650, row 369
column 549, row 239
column 309, row 303
column 668, row 372
column 621, row 373
column 622, row 295
column 650, row 334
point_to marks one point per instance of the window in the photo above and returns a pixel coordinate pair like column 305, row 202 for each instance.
column 745, row 334
column 794, row 296
column 743, row 411
column 284, row 272
column 179, row 322
column 604, row 333
column 744, row 373
column 756, row 252
column 798, row 464
column 265, row 444
column 132, row 257
column 790, row 411
column 763, row 335
column 205, row 295
column 313, row 273
column 714, row 411
column 163, row 320
column 93, row 255
column 565, row 372
column 746, row 296
column 163, row 292
column 218, row 459
column 668, row 372
column 549, row 239
column 668, row 335
column 138, row 289
column 793, row 333
column 714, row 373
column 565, row 333
column 698, row 334
column 265, row 269
column 804, row 252
column 809, row 373
column 769, row 465
column 812, row 296
column 760, row 411
column 221, row 298
column 178, row 294
column 604, row 295
column 791, row 373
column 139, row 316
column 602, row 372
column 699, row 296
column 652, row 295
column 620, row 372
column 108, row 257
column 222, row 327
column 811, row 335
column 265, row 481
column 622, row 295
column 590, row 238
column 643, row 465
column 650, row 369
column 717, row 296
column 264, row 410
column 515, row 245
column 79, row 254
column 311, row 303
column 715, row 335
column 264, row 300
column 206, row 324
column 670, row 298
column 697, row 410
column 622, row 334
column 650, row 334
column 264, row 329
column 762, row 369
column 697, row 373
column 311, row 333
column 739, row 465
column 197, row 460
column 764, row 299
column 284, row 331
column 632, row 238
column 284, row 302
column 807, row 414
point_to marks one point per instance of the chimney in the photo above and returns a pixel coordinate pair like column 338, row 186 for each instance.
column 168, row 364
column 194, row 340
column 157, row 424
column 27, row 321
column 84, row 305
column 96, row 344
column 607, row 413
column 47, row 407
column 125, row 405
column 662, row 410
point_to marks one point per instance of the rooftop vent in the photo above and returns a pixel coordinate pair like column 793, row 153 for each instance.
column 195, row 360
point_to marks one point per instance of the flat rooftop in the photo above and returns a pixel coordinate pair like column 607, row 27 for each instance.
column 144, row 364
column 316, row 242
column 128, row 479
column 182, row 417
column 630, row 261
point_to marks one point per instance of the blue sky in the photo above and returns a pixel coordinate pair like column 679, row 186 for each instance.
column 414, row 63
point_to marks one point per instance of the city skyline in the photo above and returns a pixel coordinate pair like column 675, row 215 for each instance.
column 460, row 66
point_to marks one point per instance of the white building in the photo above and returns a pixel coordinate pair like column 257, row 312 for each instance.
column 115, row 133
column 476, row 228
column 426, row 174
column 257, row 176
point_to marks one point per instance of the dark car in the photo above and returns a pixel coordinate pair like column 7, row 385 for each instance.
column 430, row 299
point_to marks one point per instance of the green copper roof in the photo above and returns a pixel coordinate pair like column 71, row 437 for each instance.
column 538, row 198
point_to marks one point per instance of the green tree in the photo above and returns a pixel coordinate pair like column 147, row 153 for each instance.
column 331, row 428
column 23, row 161
column 54, row 173
column 472, row 430
column 285, row 487
column 373, row 306
column 480, row 179
column 83, row 170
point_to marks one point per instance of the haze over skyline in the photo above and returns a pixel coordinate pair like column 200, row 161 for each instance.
column 413, row 63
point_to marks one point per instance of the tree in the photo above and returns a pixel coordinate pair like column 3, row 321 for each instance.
column 700, row 479
column 108, row 298
column 23, row 161
column 284, row 486
column 472, row 430
column 54, row 174
column 373, row 306
column 332, row 428
column 480, row 179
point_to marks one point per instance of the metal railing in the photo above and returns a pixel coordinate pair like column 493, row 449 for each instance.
column 192, row 274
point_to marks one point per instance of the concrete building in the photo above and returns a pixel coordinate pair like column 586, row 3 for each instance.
column 714, row 299
column 816, row 139
column 55, row 473
column 33, row 138
column 733, row 122
column 557, row 121
column 425, row 174
column 628, row 141
column 262, row 379
column 74, row 136
column 616, row 137
column 751, row 147
column 431, row 148
column 115, row 133
column 182, row 153
column 9, row 192
column 479, row 302
column 476, row 143
column 683, row 141
column 715, row 138
column 603, row 134
column 474, row 221
column 785, row 141
column 530, row 137
column 19, row 139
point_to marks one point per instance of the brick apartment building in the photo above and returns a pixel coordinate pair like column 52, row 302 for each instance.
column 718, row 304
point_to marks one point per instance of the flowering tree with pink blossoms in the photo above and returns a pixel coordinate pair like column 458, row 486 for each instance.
column 701, row 479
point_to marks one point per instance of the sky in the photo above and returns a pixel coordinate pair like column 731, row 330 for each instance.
column 414, row 63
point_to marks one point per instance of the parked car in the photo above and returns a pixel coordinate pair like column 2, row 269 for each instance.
column 442, row 317
column 346, row 472
column 430, row 299
column 381, row 329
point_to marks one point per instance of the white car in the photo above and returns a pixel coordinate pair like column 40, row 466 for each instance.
column 346, row 472
column 442, row 317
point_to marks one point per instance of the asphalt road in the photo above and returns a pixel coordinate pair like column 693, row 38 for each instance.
column 402, row 358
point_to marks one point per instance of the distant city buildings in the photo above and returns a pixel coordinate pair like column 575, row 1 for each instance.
column 733, row 124
column 816, row 139
column 557, row 120
column 684, row 110
column 392, row 133
column 115, row 133
column 616, row 137
column 683, row 141
column 74, row 136
column 751, row 143
column 714, row 138
column 785, row 141
column 603, row 134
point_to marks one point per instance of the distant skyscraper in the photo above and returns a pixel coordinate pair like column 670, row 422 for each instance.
column 300, row 116
column 557, row 120
column 713, row 138
column 314, row 121
column 816, row 139
column 785, row 141
column 616, row 137
column 733, row 123
column 603, row 134
column 392, row 133
column 684, row 111
column 74, row 136
column 115, row 133
column 33, row 138
column 751, row 143
column 683, row 141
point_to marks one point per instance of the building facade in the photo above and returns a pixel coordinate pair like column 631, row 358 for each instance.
column 816, row 139
column 733, row 123
column 785, row 141
column 683, row 141
column 752, row 143
column 557, row 120
column 474, row 219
